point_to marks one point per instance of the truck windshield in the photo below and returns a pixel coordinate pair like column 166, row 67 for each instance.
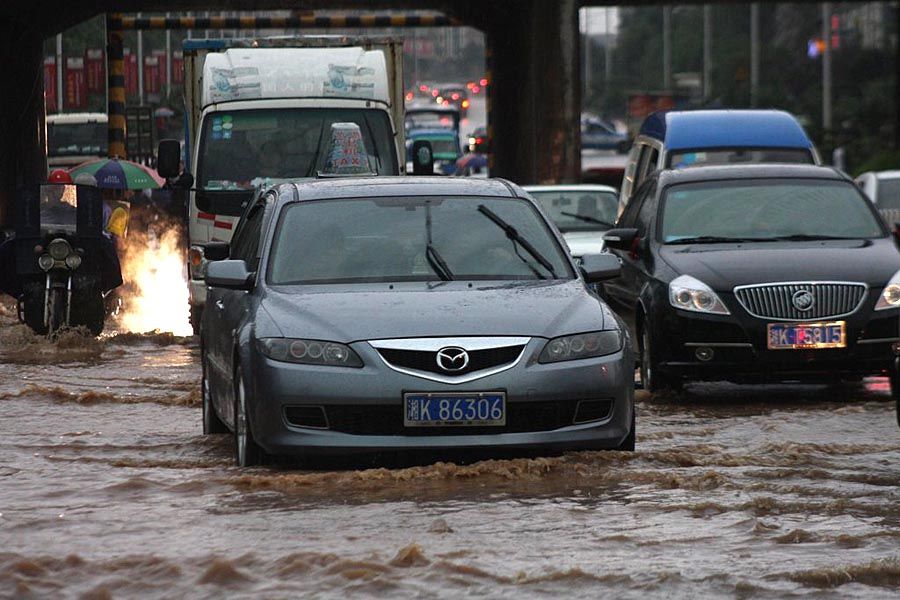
column 69, row 139
column 242, row 148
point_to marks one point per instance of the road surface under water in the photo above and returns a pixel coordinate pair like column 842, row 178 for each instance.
column 109, row 489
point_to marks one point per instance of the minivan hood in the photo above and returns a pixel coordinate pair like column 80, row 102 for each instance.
column 724, row 266
column 350, row 313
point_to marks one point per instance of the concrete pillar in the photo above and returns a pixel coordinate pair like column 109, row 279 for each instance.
column 23, row 128
column 535, row 92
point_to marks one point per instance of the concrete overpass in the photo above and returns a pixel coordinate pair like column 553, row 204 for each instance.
column 532, row 49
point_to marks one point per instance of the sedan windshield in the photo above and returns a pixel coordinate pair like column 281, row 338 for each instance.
column 576, row 210
column 766, row 210
column 414, row 239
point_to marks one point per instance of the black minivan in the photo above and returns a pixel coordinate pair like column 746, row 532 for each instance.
column 757, row 273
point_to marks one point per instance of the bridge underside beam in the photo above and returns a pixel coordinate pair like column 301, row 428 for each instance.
column 23, row 155
column 535, row 98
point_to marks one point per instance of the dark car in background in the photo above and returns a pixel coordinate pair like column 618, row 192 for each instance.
column 757, row 273
column 361, row 315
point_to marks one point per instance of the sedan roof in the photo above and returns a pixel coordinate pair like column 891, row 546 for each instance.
column 750, row 171
column 381, row 187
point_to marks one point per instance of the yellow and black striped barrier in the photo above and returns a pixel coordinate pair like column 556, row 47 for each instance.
column 115, row 76
column 288, row 22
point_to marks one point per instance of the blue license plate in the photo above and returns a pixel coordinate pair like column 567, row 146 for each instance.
column 807, row 336
column 460, row 410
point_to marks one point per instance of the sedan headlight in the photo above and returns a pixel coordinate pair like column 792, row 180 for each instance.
column 583, row 345
column 309, row 352
column 689, row 293
column 890, row 295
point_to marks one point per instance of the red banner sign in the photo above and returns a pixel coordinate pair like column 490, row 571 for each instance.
column 76, row 92
column 94, row 70
column 50, row 84
column 151, row 74
column 177, row 68
column 131, row 73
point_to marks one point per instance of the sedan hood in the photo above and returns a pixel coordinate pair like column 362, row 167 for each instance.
column 724, row 266
column 373, row 311
column 584, row 242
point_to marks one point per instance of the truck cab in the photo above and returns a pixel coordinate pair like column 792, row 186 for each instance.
column 260, row 111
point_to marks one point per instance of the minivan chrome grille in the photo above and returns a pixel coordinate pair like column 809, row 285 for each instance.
column 830, row 299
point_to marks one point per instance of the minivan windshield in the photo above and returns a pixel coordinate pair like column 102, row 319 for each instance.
column 241, row 148
column 889, row 193
column 681, row 159
column 414, row 239
column 766, row 210
column 579, row 210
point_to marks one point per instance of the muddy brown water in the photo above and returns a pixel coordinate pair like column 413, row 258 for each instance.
column 108, row 489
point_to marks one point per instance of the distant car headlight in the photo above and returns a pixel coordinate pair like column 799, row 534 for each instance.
column 583, row 345
column 309, row 352
column 890, row 295
column 689, row 293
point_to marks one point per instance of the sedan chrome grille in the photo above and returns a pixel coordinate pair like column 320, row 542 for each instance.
column 801, row 300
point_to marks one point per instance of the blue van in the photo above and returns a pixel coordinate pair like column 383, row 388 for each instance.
column 682, row 139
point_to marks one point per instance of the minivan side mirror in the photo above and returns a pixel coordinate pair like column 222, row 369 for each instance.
column 620, row 239
column 600, row 267
column 216, row 250
column 168, row 158
column 230, row 274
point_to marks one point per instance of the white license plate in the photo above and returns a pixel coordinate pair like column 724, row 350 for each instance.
column 455, row 409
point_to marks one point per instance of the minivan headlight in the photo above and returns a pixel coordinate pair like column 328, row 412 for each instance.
column 689, row 293
column 583, row 345
column 890, row 295
column 309, row 352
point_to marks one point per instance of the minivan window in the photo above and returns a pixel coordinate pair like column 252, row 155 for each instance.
column 766, row 210
column 682, row 159
column 889, row 193
column 412, row 239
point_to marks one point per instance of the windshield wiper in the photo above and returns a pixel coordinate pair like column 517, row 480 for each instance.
column 437, row 263
column 712, row 239
column 800, row 237
column 434, row 258
column 514, row 235
column 587, row 218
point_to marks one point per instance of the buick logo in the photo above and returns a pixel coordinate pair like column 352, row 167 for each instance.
column 803, row 300
column 452, row 359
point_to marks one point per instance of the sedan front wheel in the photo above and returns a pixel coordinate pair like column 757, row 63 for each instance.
column 247, row 452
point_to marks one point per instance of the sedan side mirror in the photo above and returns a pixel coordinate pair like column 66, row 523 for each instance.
column 620, row 239
column 600, row 267
column 230, row 274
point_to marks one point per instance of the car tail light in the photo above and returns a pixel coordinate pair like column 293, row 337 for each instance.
column 483, row 82
column 465, row 104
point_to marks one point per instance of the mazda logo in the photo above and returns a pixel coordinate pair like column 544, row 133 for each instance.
column 452, row 358
column 803, row 300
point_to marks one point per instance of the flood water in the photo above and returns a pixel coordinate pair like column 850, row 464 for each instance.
column 108, row 489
